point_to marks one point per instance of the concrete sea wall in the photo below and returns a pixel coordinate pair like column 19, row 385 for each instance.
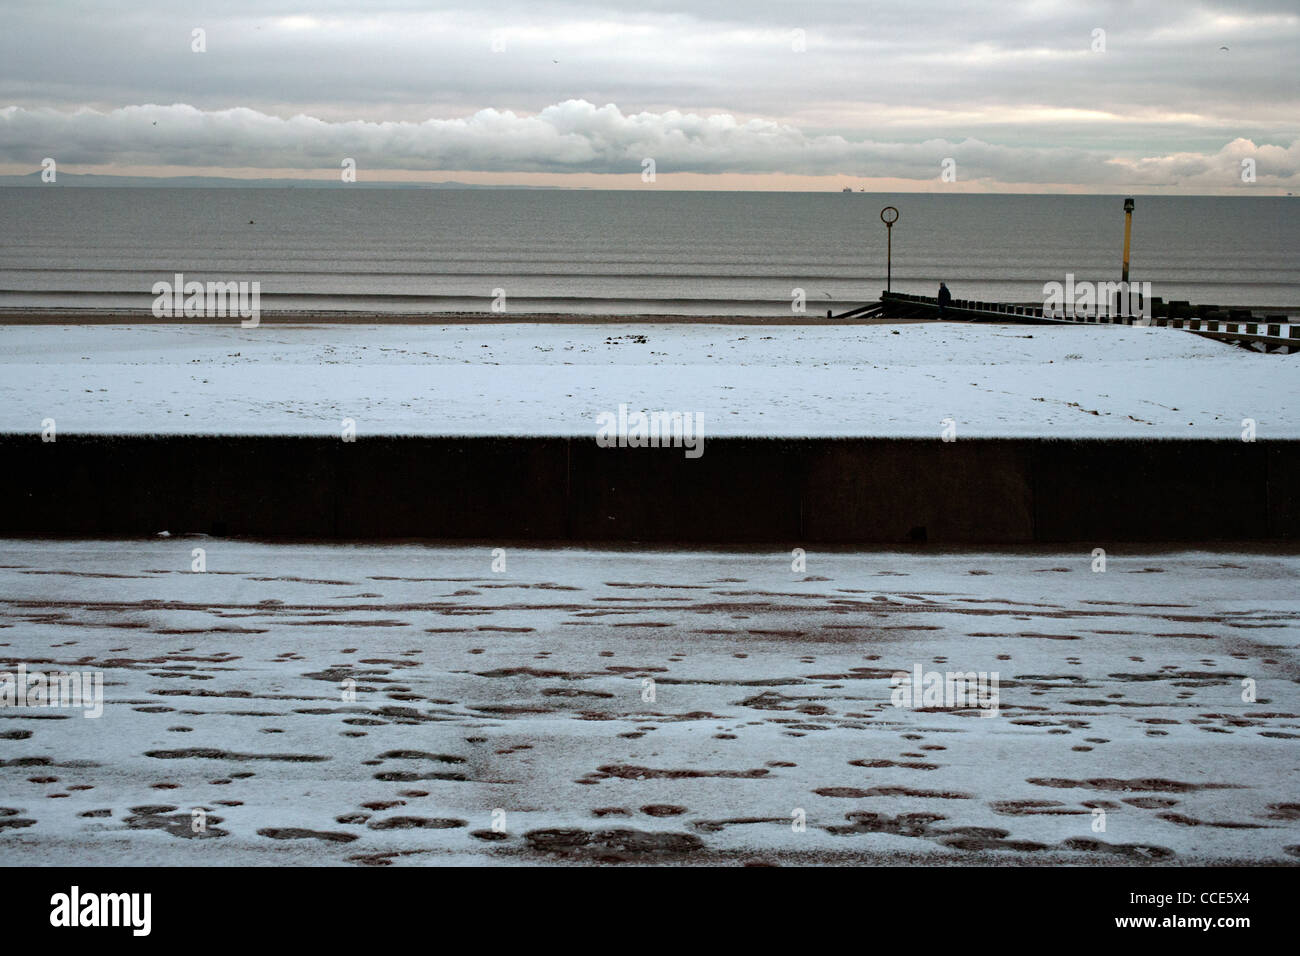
column 868, row 490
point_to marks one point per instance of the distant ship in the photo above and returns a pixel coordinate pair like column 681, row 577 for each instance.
column 847, row 189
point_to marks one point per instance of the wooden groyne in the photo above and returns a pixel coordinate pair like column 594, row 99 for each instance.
column 1239, row 326
column 1111, row 303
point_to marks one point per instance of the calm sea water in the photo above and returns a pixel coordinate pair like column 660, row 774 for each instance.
column 637, row 252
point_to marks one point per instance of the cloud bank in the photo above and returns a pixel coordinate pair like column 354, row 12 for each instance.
column 576, row 136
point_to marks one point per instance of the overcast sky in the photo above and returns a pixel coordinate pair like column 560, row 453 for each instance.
column 723, row 94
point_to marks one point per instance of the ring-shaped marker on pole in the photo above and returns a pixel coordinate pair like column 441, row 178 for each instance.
column 889, row 220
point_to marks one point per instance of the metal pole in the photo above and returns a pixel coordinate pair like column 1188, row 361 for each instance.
column 889, row 221
column 1128, row 232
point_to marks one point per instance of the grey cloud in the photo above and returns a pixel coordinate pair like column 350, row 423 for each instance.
column 577, row 136
column 982, row 73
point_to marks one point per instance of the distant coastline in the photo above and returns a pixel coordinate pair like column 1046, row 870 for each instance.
column 101, row 181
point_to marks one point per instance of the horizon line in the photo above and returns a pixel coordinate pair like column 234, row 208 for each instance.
column 33, row 179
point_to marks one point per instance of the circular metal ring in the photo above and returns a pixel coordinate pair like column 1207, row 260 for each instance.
column 890, row 220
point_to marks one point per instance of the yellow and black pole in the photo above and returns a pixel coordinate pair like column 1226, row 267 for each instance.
column 1128, row 233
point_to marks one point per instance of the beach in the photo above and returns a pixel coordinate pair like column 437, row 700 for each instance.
column 458, row 378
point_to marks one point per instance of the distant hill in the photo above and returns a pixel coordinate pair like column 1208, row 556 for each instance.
column 228, row 182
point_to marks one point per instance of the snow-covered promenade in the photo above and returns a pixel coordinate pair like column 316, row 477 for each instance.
column 409, row 704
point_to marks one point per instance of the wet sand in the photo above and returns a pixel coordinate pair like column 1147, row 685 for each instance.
column 520, row 699
column 145, row 317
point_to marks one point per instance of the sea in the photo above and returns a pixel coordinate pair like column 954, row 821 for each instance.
column 632, row 252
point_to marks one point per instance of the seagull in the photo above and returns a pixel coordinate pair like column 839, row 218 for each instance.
column 1224, row 49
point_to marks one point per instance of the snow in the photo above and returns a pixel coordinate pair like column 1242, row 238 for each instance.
column 550, row 379
column 1120, row 691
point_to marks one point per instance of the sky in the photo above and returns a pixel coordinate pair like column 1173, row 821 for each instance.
column 926, row 95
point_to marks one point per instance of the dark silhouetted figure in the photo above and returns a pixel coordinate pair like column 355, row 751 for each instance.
column 945, row 299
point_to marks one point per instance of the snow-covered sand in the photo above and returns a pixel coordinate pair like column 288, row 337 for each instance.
column 523, row 691
column 852, row 380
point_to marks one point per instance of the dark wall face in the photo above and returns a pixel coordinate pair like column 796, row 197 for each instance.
column 969, row 491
